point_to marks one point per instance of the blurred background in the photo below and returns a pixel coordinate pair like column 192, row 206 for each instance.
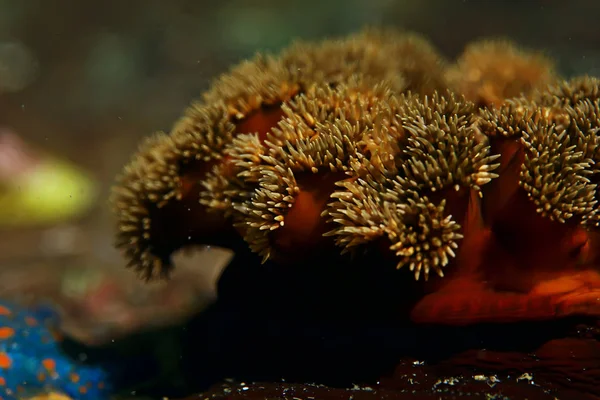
column 82, row 82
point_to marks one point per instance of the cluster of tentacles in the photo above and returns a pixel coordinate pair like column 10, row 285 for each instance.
column 481, row 171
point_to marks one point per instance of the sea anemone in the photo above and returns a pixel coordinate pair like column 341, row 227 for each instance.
column 324, row 147
column 411, row 204
column 159, row 190
column 304, row 157
column 480, row 177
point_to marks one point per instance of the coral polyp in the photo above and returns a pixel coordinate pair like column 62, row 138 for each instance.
column 158, row 190
column 479, row 176
column 570, row 92
column 415, row 203
column 490, row 71
column 555, row 174
column 404, row 59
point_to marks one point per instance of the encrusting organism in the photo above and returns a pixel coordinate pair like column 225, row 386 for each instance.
column 480, row 177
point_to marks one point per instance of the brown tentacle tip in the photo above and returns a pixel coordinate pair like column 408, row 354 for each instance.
column 156, row 202
column 555, row 175
column 427, row 237
column 569, row 92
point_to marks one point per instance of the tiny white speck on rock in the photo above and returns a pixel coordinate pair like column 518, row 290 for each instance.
column 525, row 377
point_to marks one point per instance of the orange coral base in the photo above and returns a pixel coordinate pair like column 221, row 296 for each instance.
column 514, row 264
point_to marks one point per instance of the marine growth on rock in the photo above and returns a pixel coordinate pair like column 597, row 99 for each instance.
column 475, row 177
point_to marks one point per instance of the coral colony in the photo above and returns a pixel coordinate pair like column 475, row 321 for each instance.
column 477, row 178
